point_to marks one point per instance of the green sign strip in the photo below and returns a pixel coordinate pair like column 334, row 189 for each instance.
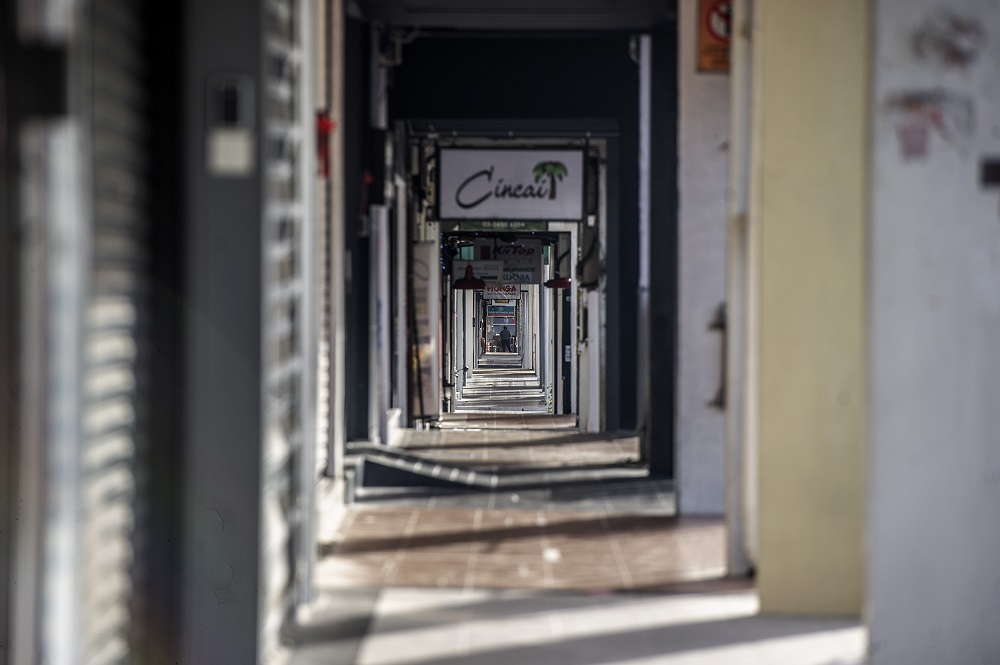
column 496, row 225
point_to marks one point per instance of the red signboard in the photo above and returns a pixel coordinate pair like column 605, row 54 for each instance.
column 714, row 35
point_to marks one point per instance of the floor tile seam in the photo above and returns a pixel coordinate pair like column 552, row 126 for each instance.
column 473, row 559
column 389, row 577
column 548, row 567
column 621, row 560
column 609, row 507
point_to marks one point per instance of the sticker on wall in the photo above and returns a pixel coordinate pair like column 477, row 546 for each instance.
column 917, row 115
column 949, row 39
column 715, row 19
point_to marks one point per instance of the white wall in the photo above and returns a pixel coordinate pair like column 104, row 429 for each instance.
column 703, row 136
column 934, row 537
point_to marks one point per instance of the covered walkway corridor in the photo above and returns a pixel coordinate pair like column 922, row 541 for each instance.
column 566, row 552
column 500, row 384
column 569, row 553
column 433, row 332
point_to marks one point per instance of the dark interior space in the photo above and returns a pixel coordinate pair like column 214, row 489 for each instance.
column 564, row 76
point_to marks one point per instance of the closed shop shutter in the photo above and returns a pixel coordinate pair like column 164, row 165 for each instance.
column 116, row 314
column 86, row 343
column 289, row 467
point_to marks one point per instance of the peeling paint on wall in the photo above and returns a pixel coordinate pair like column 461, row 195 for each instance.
column 917, row 113
column 949, row 39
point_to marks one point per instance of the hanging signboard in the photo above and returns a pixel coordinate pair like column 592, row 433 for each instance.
column 502, row 291
column 522, row 271
column 502, row 225
column 714, row 35
column 522, row 260
column 491, row 248
column 424, row 389
column 488, row 271
column 511, row 184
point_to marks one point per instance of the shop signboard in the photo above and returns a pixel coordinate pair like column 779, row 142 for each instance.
column 488, row 271
column 501, row 225
column 510, row 184
column 502, row 291
column 491, row 248
column 424, row 387
column 522, row 271
column 522, row 260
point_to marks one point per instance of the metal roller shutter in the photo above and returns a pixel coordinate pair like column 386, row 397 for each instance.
column 86, row 345
column 115, row 330
column 289, row 471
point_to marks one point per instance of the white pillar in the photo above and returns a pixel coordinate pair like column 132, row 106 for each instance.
column 934, row 326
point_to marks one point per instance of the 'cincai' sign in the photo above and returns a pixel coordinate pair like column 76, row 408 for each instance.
column 510, row 184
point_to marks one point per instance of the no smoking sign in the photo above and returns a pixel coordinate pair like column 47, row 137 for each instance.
column 715, row 20
column 720, row 20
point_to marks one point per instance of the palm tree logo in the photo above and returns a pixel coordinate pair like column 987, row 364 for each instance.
column 554, row 171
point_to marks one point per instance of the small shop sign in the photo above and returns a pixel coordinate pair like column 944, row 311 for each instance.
column 502, row 225
column 522, row 260
column 510, row 184
column 715, row 19
column 522, row 271
column 501, row 291
column 488, row 271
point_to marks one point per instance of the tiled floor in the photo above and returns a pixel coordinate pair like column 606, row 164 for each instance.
column 418, row 585
column 638, row 495
column 512, row 449
column 515, row 442
column 580, row 571
column 499, row 385
column 511, row 628
column 507, row 421
column 493, row 627
column 536, row 549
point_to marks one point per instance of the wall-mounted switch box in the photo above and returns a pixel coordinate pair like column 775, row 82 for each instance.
column 989, row 172
column 230, row 145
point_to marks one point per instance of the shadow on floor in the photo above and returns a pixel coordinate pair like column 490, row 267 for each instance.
column 435, row 627
column 452, row 534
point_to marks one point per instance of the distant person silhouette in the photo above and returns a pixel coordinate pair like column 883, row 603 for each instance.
column 505, row 340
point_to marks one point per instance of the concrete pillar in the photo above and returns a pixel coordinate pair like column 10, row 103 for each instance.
column 221, row 553
column 809, row 204
column 701, row 182
column 934, row 537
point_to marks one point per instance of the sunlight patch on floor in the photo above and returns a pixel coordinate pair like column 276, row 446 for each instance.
column 453, row 627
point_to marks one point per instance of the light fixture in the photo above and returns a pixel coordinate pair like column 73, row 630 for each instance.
column 469, row 282
column 559, row 283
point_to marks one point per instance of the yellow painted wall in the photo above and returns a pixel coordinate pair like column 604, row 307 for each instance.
column 809, row 205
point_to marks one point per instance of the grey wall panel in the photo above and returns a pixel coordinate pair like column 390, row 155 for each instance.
column 10, row 304
column 224, row 368
column 356, row 152
column 250, row 344
column 663, row 251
